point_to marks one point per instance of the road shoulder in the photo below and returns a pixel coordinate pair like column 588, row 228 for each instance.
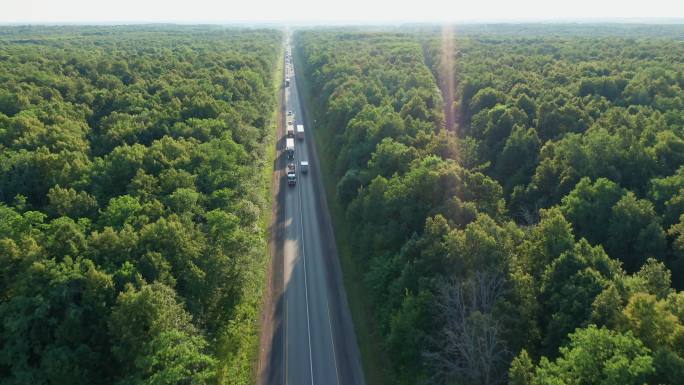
column 271, row 356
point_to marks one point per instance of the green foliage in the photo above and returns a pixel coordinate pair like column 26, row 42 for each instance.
column 518, row 157
column 522, row 370
column 69, row 202
column 484, row 99
column 677, row 232
column 131, row 200
column 634, row 232
column 142, row 315
column 53, row 329
column 566, row 167
column 398, row 179
column 174, row 358
column 598, row 356
column 589, row 207
column 653, row 323
column 598, row 133
column 569, row 287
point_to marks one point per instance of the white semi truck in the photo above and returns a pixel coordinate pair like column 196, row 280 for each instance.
column 290, row 147
column 290, row 130
column 300, row 131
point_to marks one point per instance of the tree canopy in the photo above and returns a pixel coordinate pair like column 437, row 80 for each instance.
column 545, row 230
column 131, row 199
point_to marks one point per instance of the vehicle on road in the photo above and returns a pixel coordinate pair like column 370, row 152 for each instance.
column 290, row 147
column 291, row 178
column 300, row 131
column 304, row 166
column 289, row 113
column 291, row 174
column 287, row 82
column 290, row 129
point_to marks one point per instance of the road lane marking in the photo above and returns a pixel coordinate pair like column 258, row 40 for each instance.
column 332, row 341
column 306, row 285
column 327, row 303
column 285, row 340
column 286, row 268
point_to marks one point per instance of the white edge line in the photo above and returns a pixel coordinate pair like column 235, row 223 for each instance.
column 306, row 285
column 332, row 340
column 284, row 284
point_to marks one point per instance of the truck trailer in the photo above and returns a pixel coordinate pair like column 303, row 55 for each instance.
column 300, row 131
column 290, row 147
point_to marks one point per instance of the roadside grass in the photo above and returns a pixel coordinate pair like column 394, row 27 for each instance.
column 374, row 359
column 238, row 348
column 270, row 143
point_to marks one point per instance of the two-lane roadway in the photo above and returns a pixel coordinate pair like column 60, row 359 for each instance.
column 313, row 340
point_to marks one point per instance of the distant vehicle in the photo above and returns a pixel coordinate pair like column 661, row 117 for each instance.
column 300, row 131
column 289, row 112
column 291, row 174
column 287, row 82
column 304, row 166
column 290, row 130
column 290, row 147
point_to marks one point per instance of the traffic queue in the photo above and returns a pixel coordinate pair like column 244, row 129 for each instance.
column 293, row 130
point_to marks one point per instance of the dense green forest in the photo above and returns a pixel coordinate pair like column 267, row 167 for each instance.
column 133, row 196
column 540, row 242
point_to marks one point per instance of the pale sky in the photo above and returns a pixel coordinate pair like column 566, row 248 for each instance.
column 220, row 11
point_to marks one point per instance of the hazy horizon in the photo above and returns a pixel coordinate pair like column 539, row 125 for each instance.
column 328, row 12
column 286, row 23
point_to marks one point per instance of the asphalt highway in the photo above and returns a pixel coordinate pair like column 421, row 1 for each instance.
column 313, row 340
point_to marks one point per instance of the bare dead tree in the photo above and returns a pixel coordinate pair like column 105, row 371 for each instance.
column 528, row 216
column 468, row 349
